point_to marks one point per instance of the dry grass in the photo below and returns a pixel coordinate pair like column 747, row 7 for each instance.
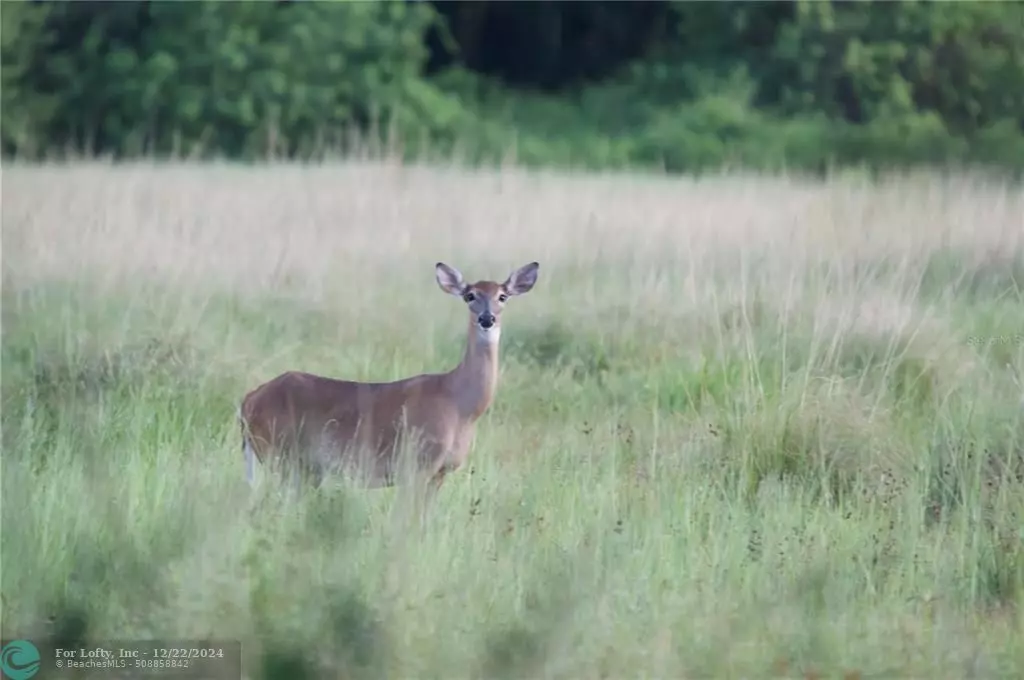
column 746, row 426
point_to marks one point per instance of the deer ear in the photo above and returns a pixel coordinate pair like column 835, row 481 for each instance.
column 449, row 279
column 522, row 279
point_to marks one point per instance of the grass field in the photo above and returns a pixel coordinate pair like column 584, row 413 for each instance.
column 745, row 427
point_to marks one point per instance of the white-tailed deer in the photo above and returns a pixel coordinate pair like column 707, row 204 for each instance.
column 315, row 425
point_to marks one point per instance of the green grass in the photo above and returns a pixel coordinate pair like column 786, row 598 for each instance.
column 745, row 427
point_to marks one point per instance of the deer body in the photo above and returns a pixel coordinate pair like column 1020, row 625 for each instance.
column 317, row 425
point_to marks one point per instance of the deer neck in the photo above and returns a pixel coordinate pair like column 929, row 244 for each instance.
column 475, row 379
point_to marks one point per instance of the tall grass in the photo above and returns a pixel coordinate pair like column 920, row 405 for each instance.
column 745, row 426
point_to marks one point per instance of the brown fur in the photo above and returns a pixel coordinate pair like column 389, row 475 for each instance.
column 319, row 425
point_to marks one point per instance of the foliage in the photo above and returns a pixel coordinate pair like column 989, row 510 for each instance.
column 232, row 78
column 963, row 61
column 680, row 86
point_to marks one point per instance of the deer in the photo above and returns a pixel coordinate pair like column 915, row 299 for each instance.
column 314, row 425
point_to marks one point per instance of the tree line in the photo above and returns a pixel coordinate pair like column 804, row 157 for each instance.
column 678, row 85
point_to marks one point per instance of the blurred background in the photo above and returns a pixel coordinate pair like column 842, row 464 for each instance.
column 679, row 86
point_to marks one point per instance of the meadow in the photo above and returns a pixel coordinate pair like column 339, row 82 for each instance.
column 746, row 426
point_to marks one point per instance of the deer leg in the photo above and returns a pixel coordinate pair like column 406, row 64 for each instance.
column 250, row 462
column 296, row 480
column 295, row 475
column 429, row 493
column 435, row 483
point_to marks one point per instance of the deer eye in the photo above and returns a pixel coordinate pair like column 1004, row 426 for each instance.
column 469, row 297
column 502, row 297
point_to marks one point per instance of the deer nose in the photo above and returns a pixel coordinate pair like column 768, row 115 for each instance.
column 486, row 320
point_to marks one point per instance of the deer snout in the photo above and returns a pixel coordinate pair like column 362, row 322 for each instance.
column 486, row 320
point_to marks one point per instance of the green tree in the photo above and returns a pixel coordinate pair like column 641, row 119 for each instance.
column 864, row 62
column 236, row 78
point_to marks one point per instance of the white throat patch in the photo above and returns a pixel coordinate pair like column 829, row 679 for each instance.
column 489, row 335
